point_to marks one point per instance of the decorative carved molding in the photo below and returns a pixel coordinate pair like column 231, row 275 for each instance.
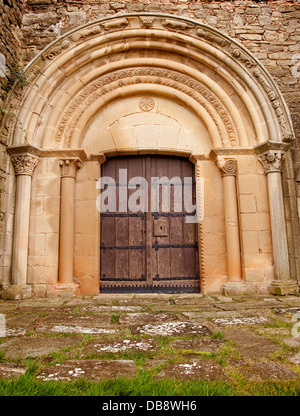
column 147, row 21
column 228, row 166
column 90, row 31
column 115, row 24
column 200, row 208
column 146, row 104
column 271, row 155
column 57, row 49
column 65, row 153
column 213, row 37
column 169, row 78
column 243, row 57
column 69, row 167
column 177, row 24
column 24, row 164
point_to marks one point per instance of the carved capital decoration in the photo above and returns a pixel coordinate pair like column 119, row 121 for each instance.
column 69, row 167
column 272, row 160
column 271, row 155
column 24, row 164
column 24, row 158
column 227, row 166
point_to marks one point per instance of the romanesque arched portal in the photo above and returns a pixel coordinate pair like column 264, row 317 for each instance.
column 146, row 84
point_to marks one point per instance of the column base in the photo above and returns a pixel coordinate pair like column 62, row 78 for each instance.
column 17, row 292
column 67, row 290
column 235, row 288
column 283, row 287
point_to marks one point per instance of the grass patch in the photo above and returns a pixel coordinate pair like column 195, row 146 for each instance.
column 114, row 319
column 144, row 385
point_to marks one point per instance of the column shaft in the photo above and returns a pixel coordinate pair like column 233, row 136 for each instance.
column 271, row 155
column 21, row 230
column 278, row 227
column 232, row 229
column 67, row 213
column 228, row 169
column 66, row 245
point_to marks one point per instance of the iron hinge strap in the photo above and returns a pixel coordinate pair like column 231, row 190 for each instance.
column 156, row 246
column 103, row 247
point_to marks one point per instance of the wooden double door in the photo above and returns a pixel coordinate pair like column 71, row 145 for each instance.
column 148, row 244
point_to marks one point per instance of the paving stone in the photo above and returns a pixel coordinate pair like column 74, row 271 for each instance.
column 11, row 370
column 258, row 305
column 205, row 344
column 212, row 313
column 95, row 320
column 252, row 320
column 293, row 342
column 181, row 308
column 295, row 358
column 76, row 324
column 40, row 304
column 223, row 299
column 76, row 329
column 112, row 309
column 92, row 370
column 172, row 329
column 146, row 318
column 194, row 370
column 291, row 311
column 273, row 331
column 290, row 300
column 121, row 345
column 198, row 300
column 268, row 370
column 249, row 344
column 19, row 324
column 23, row 347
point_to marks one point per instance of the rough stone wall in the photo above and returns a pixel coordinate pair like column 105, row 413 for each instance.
column 269, row 29
column 11, row 13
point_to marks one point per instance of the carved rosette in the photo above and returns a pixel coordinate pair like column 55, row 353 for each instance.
column 24, row 164
column 69, row 167
column 272, row 160
column 228, row 167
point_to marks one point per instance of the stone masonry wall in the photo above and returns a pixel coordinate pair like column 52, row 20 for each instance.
column 269, row 29
column 11, row 13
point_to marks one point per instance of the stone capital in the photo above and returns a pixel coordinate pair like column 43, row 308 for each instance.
column 24, row 164
column 228, row 166
column 271, row 155
column 24, row 159
column 69, row 167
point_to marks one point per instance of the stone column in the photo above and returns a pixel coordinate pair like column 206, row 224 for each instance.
column 271, row 154
column 228, row 167
column 69, row 167
column 24, row 159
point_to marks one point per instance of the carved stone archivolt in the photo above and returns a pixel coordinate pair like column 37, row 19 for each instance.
column 214, row 49
column 181, row 25
column 151, row 75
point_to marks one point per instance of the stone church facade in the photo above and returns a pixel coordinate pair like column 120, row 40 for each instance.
column 212, row 85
